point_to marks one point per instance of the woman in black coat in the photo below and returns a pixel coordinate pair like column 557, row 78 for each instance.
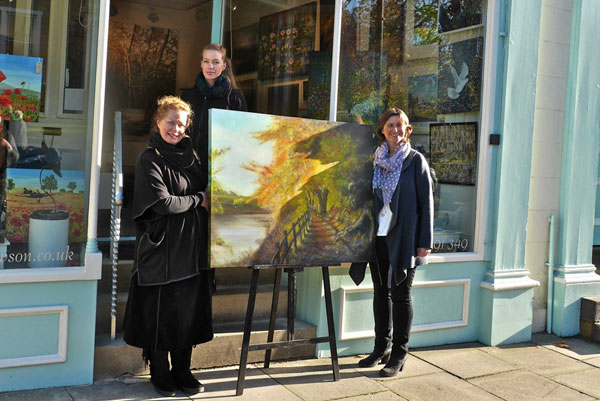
column 169, row 305
column 403, row 212
column 215, row 88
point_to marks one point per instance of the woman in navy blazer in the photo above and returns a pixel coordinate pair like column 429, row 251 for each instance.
column 403, row 212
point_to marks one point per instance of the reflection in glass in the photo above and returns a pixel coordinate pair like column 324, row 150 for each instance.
column 426, row 57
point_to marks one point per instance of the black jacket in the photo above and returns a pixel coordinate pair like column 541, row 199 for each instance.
column 200, row 105
column 171, row 226
column 412, row 221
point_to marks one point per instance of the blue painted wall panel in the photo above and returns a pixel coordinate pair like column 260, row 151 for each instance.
column 80, row 296
column 35, row 335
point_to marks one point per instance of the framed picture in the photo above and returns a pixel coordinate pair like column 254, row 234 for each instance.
column 459, row 14
column 454, row 152
column 459, row 76
column 20, row 87
column 285, row 40
column 131, row 80
column 422, row 98
column 288, row 191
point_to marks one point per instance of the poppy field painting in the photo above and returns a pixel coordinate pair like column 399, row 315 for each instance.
column 20, row 87
column 25, row 195
column 289, row 191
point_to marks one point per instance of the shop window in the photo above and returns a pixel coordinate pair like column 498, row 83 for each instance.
column 281, row 54
column 426, row 57
column 42, row 186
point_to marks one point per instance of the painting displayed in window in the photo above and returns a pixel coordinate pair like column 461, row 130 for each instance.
column 459, row 76
column 285, row 39
column 454, row 152
column 20, row 87
column 422, row 98
column 458, row 14
column 141, row 67
column 287, row 190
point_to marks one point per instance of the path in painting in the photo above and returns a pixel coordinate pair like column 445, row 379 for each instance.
column 321, row 241
column 237, row 228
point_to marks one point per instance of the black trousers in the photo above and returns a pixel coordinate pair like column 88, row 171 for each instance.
column 392, row 307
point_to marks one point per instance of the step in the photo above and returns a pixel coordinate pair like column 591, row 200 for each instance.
column 228, row 306
column 590, row 330
column 590, row 308
column 115, row 358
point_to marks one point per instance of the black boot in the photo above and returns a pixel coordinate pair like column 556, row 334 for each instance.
column 375, row 358
column 160, row 375
column 393, row 366
column 183, row 378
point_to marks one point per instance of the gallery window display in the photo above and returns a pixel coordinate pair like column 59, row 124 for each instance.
column 434, row 73
column 43, row 153
column 281, row 55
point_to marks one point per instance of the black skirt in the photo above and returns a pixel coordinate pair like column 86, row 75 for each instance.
column 169, row 317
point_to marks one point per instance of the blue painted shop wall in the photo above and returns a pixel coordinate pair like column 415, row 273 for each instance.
column 439, row 295
column 36, row 334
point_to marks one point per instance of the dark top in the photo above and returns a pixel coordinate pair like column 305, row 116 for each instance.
column 171, row 226
column 200, row 105
column 412, row 222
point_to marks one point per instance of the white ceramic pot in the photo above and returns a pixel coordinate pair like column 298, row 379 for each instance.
column 48, row 238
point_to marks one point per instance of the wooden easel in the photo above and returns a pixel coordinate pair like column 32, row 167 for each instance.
column 291, row 312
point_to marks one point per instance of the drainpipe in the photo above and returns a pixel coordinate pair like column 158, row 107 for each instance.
column 550, row 264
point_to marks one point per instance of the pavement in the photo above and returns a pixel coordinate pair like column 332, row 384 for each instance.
column 546, row 368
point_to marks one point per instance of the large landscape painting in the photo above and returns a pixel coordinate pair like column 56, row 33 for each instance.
column 289, row 191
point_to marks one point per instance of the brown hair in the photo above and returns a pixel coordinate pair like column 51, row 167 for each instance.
column 228, row 72
column 394, row 111
column 168, row 103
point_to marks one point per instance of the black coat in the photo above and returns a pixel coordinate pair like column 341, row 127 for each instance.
column 412, row 222
column 171, row 226
column 200, row 106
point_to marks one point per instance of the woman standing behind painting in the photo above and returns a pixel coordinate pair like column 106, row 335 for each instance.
column 403, row 209
column 169, row 305
column 215, row 88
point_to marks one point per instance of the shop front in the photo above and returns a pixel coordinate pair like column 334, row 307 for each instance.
column 466, row 73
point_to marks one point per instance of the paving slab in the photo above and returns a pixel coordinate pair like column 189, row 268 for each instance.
column 465, row 362
column 593, row 361
column 221, row 384
column 587, row 382
column 537, row 358
column 383, row 396
column 575, row 347
column 312, row 380
column 440, row 386
column 114, row 390
column 412, row 367
column 524, row 385
column 46, row 394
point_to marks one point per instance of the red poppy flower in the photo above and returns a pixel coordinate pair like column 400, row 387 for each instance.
column 15, row 238
column 23, row 107
column 32, row 107
column 5, row 100
column 22, row 83
column 2, row 76
column 7, row 92
column 23, row 97
column 15, row 221
column 27, row 120
column 17, row 91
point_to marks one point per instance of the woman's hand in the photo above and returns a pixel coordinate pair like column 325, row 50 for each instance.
column 7, row 145
column 422, row 252
column 205, row 201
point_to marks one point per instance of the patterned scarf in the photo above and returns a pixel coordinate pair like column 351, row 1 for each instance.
column 219, row 90
column 388, row 169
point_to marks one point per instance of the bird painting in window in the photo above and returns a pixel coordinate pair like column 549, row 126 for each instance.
column 460, row 80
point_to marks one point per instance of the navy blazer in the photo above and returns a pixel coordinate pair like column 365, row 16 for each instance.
column 412, row 222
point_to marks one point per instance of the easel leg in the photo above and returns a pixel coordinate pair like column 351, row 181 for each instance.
column 247, row 330
column 291, row 303
column 330, row 326
column 272, row 319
